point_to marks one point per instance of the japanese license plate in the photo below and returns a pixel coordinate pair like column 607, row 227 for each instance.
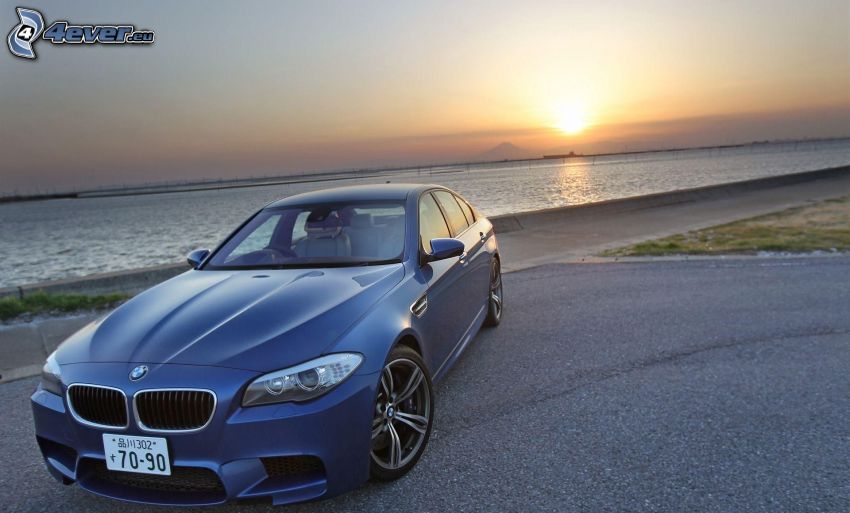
column 141, row 454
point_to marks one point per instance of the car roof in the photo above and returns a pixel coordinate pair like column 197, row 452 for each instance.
column 371, row 192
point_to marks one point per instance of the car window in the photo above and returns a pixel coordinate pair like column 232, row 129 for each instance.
column 467, row 210
column 376, row 230
column 258, row 239
column 299, row 229
column 432, row 225
column 317, row 235
column 455, row 215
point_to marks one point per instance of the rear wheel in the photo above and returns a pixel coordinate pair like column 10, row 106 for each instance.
column 495, row 302
column 401, row 424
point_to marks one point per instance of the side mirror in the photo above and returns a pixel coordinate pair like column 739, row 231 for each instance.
column 196, row 257
column 442, row 249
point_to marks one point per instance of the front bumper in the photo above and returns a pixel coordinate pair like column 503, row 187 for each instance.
column 287, row 452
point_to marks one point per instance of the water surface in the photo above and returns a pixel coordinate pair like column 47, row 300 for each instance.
column 47, row 240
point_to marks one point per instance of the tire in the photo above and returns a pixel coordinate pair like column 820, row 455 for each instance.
column 496, row 296
column 401, row 425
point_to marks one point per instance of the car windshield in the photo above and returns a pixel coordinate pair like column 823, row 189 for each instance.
column 322, row 235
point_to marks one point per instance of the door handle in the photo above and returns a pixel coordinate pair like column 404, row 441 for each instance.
column 483, row 237
column 462, row 257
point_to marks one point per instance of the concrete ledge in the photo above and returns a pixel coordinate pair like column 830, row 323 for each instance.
column 23, row 346
column 130, row 282
column 10, row 292
column 514, row 222
column 21, row 372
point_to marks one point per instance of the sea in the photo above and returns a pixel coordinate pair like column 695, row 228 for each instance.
column 62, row 238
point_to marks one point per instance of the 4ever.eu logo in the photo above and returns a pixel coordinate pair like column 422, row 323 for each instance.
column 25, row 34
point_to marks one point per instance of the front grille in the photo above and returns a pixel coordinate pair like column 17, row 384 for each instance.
column 292, row 465
column 98, row 405
column 182, row 479
column 174, row 410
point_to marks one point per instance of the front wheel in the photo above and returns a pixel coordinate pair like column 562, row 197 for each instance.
column 496, row 298
column 401, row 424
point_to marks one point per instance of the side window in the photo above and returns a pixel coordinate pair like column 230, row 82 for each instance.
column 455, row 215
column 467, row 210
column 258, row 239
column 432, row 225
column 299, row 230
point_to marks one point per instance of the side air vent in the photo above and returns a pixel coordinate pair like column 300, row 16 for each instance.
column 287, row 466
column 181, row 480
column 418, row 308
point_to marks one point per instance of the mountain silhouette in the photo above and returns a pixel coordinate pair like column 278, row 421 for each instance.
column 504, row 151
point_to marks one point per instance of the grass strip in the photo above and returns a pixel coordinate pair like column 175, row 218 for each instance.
column 821, row 226
column 43, row 303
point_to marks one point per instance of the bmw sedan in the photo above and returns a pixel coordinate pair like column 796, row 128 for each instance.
column 293, row 362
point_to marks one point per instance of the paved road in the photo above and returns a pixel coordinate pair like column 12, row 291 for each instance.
column 675, row 386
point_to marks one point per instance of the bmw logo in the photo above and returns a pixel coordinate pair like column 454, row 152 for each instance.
column 138, row 373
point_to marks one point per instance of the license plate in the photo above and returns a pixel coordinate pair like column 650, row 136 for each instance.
column 140, row 454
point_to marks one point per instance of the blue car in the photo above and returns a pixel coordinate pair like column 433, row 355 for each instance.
column 293, row 362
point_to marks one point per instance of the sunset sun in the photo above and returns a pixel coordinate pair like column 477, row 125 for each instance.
column 571, row 121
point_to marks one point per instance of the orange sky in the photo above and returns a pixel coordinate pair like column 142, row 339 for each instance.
column 293, row 86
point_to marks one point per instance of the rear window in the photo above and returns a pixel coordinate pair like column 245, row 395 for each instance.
column 455, row 215
column 467, row 210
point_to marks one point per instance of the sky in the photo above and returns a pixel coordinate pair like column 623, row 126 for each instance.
column 265, row 88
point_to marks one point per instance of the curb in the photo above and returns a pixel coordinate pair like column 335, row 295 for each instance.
column 130, row 282
column 507, row 223
column 25, row 343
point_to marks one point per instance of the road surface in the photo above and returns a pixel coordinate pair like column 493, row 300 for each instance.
column 717, row 385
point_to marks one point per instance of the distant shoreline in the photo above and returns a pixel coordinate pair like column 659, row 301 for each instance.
column 329, row 176
column 697, row 148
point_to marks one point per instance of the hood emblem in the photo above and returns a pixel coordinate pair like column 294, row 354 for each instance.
column 138, row 373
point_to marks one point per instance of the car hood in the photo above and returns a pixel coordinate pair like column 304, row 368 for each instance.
column 255, row 320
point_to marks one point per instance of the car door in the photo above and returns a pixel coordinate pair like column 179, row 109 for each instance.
column 475, row 240
column 444, row 320
column 475, row 266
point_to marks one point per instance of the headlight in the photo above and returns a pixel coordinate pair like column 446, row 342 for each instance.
column 302, row 382
column 51, row 376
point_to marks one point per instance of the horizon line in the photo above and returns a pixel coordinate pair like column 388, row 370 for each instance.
column 292, row 178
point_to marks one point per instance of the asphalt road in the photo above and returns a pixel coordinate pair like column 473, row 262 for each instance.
column 719, row 385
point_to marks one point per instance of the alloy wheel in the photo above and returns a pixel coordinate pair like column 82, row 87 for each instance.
column 496, row 291
column 402, row 414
